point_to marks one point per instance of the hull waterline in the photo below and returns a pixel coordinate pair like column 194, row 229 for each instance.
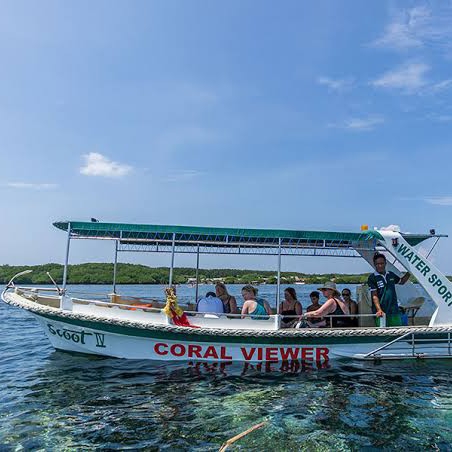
column 125, row 333
column 169, row 346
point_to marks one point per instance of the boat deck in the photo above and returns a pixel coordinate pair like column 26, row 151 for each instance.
column 151, row 311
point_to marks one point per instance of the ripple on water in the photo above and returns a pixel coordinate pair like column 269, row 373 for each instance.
column 55, row 400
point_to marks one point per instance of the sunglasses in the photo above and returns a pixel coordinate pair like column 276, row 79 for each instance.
column 346, row 294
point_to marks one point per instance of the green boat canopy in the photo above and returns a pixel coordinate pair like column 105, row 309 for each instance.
column 233, row 237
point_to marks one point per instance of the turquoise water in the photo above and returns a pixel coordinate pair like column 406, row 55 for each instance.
column 59, row 401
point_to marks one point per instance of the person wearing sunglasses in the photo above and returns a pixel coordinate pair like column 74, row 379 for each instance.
column 352, row 306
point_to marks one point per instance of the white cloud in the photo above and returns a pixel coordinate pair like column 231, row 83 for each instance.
column 363, row 124
column 98, row 165
column 391, row 227
column 183, row 175
column 336, row 84
column 31, row 186
column 444, row 118
column 419, row 27
column 439, row 200
column 439, row 117
column 409, row 78
column 440, row 86
column 359, row 124
column 405, row 29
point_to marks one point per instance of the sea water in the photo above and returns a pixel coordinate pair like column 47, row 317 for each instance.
column 52, row 400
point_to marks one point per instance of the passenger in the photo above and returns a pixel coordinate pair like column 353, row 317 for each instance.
column 210, row 304
column 229, row 302
column 290, row 307
column 253, row 305
column 384, row 295
column 315, row 322
column 352, row 307
column 334, row 306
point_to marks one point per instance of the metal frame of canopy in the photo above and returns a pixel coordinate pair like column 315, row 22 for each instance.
column 202, row 240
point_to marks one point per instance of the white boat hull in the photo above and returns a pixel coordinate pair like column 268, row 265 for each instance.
column 81, row 339
column 125, row 333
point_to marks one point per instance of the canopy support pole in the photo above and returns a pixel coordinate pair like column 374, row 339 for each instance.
column 173, row 248
column 433, row 247
column 115, row 266
column 197, row 274
column 66, row 261
column 278, row 282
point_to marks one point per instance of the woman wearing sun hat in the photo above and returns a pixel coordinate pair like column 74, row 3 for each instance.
column 333, row 306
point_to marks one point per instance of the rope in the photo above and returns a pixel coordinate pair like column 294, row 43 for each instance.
column 21, row 302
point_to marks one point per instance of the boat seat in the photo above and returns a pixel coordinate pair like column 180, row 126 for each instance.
column 136, row 301
column 119, row 299
column 53, row 302
column 413, row 307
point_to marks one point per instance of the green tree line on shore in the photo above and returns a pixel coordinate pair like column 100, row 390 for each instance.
column 102, row 273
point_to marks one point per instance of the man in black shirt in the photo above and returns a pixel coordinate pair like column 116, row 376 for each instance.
column 382, row 288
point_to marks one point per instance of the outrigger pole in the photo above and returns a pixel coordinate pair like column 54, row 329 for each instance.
column 278, row 283
column 173, row 247
column 67, row 258
column 114, row 266
column 197, row 274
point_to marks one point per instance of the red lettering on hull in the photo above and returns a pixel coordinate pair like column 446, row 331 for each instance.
column 259, row 354
column 268, row 354
column 160, row 349
column 177, row 350
column 211, row 352
column 271, row 354
column 194, row 351
column 321, row 352
column 289, row 353
column 248, row 355
column 307, row 353
column 223, row 354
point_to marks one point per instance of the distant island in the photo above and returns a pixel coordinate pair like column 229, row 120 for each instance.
column 102, row 273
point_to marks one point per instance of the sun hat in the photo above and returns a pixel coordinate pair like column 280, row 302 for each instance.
column 329, row 285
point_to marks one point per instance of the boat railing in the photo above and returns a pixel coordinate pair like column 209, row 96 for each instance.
column 338, row 316
column 228, row 315
column 113, row 296
column 117, row 305
column 35, row 293
column 414, row 345
column 215, row 317
column 197, row 313
column 158, row 309
column 36, row 289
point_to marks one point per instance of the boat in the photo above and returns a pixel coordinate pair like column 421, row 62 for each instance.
column 119, row 326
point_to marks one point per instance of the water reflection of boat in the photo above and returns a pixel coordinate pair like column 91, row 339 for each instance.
column 250, row 368
column 140, row 328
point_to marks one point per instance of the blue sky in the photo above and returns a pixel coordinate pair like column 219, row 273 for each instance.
column 303, row 115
